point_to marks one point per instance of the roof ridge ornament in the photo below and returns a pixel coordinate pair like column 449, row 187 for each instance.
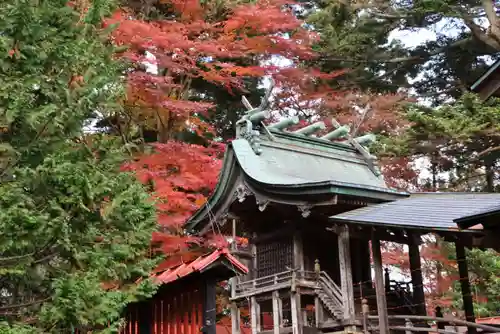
column 255, row 116
column 358, row 143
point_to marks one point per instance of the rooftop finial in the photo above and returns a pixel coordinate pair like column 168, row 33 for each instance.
column 366, row 139
column 339, row 132
column 284, row 123
column 310, row 129
column 254, row 116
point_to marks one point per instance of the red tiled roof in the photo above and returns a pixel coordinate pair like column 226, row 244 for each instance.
column 198, row 265
column 490, row 320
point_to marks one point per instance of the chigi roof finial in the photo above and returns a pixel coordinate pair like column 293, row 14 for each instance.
column 253, row 117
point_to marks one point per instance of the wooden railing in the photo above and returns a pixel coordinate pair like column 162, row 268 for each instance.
column 262, row 284
column 331, row 288
column 427, row 324
column 288, row 278
column 371, row 326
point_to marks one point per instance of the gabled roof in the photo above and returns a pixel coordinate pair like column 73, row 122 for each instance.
column 220, row 257
column 426, row 211
column 293, row 168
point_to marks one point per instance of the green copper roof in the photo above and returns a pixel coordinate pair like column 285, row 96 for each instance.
column 288, row 162
column 293, row 168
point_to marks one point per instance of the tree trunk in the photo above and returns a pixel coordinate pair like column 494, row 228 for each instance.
column 490, row 176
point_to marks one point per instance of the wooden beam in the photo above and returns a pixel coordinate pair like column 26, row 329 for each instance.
column 277, row 312
column 367, row 232
column 416, row 273
column 465, row 286
column 379, row 288
column 346, row 283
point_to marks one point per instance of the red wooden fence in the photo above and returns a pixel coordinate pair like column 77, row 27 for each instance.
column 173, row 314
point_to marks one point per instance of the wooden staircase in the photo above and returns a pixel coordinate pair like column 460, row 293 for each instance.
column 398, row 302
column 330, row 295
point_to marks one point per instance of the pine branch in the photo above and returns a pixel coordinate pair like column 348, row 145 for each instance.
column 34, row 302
column 420, row 58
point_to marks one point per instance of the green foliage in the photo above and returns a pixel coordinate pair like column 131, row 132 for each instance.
column 457, row 138
column 485, row 269
column 355, row 35
column 484, row 274
column 75, row 230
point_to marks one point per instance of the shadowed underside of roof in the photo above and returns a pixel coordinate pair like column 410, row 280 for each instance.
column 426, row 211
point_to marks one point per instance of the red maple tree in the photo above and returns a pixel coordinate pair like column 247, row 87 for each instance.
column 166, row 56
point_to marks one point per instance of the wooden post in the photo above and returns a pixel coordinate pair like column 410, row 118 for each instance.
column 277, row 312
column 318, row 312
column 387, row 280
column 298, row 253
column 253, row 269
column 255, row 315
column 409, row 325
column 235, row 311
column 234, row 244
column 295, row 310
column 346, row 283
column 379, row 287
column 365, row 310
column 416, row 274
column 210, row 308
column 465, row 286
column 364, row 256
column 235, row 318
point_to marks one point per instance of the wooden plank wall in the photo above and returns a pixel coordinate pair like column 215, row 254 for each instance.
column 171, row 314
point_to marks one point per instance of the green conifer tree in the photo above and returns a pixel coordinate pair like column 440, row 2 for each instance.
column 75, row 231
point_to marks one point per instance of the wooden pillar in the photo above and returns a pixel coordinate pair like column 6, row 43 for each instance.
column 295, row 304
column 318, row 312
column 346, row 283
column 298, row 252
column 209, row 308
column 255, row 315
column 253, row 269
column 379, row 287
column 465, row 286
column 235, row 318
column 416, row 274
column 277, row 312
column 235, row 311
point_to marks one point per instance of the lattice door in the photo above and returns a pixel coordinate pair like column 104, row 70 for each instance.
column 274, row 256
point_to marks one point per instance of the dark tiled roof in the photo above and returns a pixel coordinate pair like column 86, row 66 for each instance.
column 423, row 211
column 479, row 216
